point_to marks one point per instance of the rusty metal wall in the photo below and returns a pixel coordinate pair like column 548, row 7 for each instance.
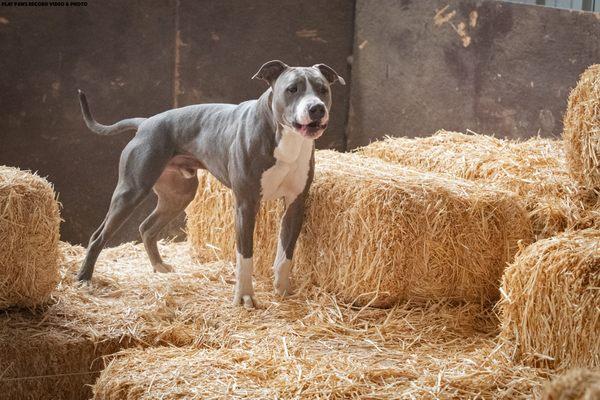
column 489, row 66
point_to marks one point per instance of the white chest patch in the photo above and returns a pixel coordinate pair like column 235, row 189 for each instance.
column 287, row 178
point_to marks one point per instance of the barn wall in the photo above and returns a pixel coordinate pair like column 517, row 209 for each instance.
column 138, row 58
column 120, row 54
column 488, row 66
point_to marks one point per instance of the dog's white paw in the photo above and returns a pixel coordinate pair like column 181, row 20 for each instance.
column 282, row 281
column 163, row 268
column 244, row 289
column 244, row 299
column 283, row 284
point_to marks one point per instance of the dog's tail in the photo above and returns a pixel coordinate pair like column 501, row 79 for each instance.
column 106, row 130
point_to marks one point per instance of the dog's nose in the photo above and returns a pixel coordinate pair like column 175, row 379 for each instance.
column 316, row 111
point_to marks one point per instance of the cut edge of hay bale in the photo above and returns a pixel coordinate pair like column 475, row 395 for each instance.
column 53, row 364
column 363, row 217
column 549, row 308
column 346, row 363
column 576, row 384
column 581, row 132
column 29, row 236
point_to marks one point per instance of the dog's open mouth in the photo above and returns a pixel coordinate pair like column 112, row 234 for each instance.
column 310, row 129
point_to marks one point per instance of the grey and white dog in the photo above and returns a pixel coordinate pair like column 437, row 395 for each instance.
column 262, row 149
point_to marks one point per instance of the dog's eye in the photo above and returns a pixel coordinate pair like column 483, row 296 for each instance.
column 323, row 90
column 292, row 89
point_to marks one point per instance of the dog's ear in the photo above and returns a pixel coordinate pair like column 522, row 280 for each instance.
column 270, row 71
column 329, row 74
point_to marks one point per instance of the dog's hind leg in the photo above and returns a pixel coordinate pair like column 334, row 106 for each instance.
column 124, row 201
column 175, row 192
column 139, row 169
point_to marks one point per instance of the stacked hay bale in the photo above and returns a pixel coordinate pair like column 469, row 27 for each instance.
column 56, row 351
column 311, row 348
column 29, row 235
column 582, row 129
column 292, row 368
column 534, row 169
column 376, row 233
column 550, row 301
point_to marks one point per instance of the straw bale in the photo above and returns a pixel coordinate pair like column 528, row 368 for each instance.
column 535, row 169
column 576, row 384
column 52, row 352
column 49, row 363
column 581, row 132
column 29, row 224
column 551, row 298
column 375, row 233
column 313, row 347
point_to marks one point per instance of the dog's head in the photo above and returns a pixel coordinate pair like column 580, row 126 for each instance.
column 301, row 95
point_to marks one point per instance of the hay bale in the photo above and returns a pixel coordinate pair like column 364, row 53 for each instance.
column 535, row 169
column 52, row 364
column 55, row 351
column 290, row 370
column 550, row 301
column 581, row 132
column 576, row 384
column 376, row 233
column 324, row 350
column 29, row 224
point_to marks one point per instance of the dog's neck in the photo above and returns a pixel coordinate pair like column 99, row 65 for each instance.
column 264, row 107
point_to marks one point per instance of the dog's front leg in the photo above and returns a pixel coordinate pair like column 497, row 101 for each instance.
column 245, row 217
column 291, row 224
